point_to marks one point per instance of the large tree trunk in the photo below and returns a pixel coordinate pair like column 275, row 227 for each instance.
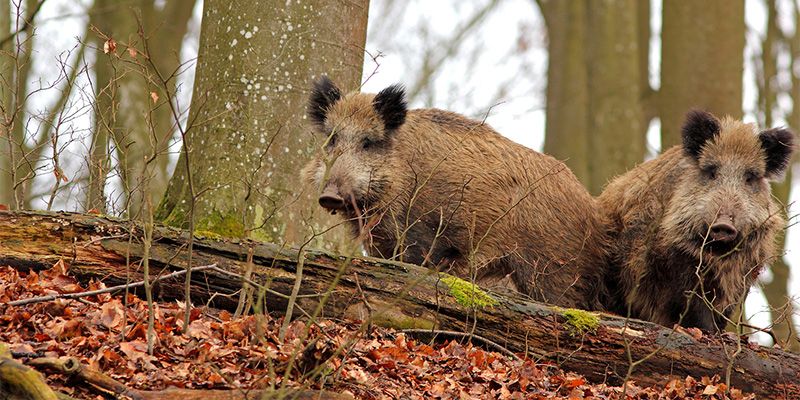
column 400, row 295
column 595, row 99
column 617, row 130
column 567, row 126
column 702, row 61
column 249, row 139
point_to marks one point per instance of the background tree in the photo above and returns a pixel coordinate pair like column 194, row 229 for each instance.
column 702, row 61
column 595, row 112
column 18, row 151
column 771, row 83
column 246, row 139
column 6, row 71
column 124, row 111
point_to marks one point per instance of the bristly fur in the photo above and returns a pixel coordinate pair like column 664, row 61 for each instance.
column 419, row 185
column 700, row 126
column 323, row 96
column 778, row 144
column 662, row 212
column 390, row 103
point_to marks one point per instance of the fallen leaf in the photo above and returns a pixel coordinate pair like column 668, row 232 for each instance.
column 710, row 389
column 154, row 96
column 110, row 46
column 132, row 52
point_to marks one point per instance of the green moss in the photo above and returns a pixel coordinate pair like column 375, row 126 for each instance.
column 224, row 225
column 176, row 218
column 207, row 235
column 400, row 321
column 467, row 294
column 579, row 322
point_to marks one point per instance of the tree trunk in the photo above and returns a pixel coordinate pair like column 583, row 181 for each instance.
column 595, row 98
column 16, row 156
column 702, row 61
column 6, row 99
column 567, row 120
column 399, row 295
column 617, row 134
column 249, row 138
column 125, row 112
column 777, row 290
column 781, row 304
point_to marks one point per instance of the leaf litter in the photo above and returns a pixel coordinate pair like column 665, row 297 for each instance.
column 218, row 351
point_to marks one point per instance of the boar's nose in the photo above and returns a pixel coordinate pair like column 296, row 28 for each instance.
column 722, row 231
column 330, row 199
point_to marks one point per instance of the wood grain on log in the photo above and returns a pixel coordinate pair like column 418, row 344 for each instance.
column 398, row 295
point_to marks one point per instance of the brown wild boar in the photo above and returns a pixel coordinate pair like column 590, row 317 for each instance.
column 435, row 188
column 692, row 228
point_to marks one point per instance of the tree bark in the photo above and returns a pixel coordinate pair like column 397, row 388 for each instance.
column 17, row 160
column 88, row 375
column 702, row 61
column 776, row 291
column 617, row 135
column 399, row 295
column 125, row 111
column 6, row 100
column 18, row 382
column 567, row 122
column 595, row 98
column 249, row 140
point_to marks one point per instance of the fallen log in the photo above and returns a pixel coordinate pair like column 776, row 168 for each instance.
column 599, row 346
column 87, row 375
column 17, row 381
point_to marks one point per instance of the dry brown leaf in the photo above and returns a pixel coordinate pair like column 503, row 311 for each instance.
column 110, row 46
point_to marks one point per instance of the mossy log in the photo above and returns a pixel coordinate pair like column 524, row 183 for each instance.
column 87, row 375
column 18, row 382
column 599, row 346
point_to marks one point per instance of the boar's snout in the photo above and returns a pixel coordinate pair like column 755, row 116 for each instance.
column 331, row 200
column 722, row 230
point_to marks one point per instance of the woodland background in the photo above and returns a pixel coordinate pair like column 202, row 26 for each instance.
column 123, row 107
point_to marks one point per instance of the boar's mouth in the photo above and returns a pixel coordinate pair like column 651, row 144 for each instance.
column 717, row 246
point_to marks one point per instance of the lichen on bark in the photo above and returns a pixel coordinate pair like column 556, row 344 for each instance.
column 250, row 139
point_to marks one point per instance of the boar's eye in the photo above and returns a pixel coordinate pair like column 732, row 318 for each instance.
column 710, row 171
column 751, row 177
column 368, row 144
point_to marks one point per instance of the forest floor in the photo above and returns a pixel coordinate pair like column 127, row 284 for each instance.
column 217, row 351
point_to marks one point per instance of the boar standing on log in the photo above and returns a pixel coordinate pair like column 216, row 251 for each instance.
column 693, row 228
column 435, row 188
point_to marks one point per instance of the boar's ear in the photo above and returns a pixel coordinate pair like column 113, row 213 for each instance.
column 323, row 95
column 700, row 127
column 778, row 144
column 390, row 104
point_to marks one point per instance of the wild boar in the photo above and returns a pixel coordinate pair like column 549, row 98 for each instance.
column 692, row 228
column 435, row 188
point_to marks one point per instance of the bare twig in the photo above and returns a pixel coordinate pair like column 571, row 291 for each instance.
column 25, row 26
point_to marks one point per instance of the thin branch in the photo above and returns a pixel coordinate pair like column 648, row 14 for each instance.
column 25, row 26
